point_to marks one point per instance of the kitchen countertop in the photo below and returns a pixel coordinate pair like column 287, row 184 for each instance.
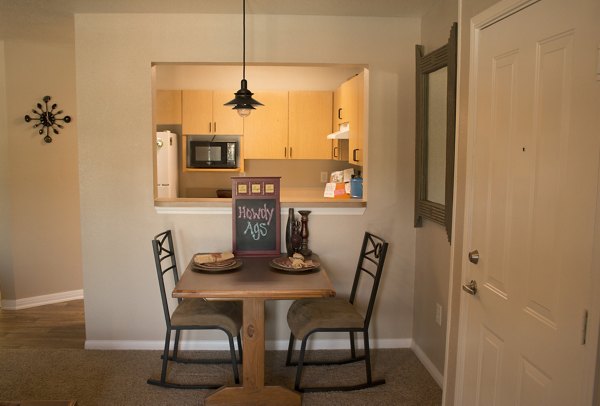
column 289, row 197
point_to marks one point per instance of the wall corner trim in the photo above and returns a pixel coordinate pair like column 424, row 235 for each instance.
column 431, row 368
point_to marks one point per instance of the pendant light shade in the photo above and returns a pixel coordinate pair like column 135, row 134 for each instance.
column 243, row 102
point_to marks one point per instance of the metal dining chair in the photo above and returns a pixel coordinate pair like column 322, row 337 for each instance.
column 308, row 316
column 192, row 314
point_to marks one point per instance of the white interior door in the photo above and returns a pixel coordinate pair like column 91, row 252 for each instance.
column 532, row 184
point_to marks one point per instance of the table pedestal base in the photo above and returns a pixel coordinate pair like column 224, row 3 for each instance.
column 266, row 395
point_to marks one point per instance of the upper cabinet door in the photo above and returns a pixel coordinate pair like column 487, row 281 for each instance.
column 357, row 121
column 226, row 121
column 349, row 108
column 266, row 128
column 204, row 113
column 310, row 115
column 346, row 102
column 168, row 107
column 197, row 111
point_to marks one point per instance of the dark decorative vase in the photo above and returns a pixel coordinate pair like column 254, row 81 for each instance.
column 304, row 233
column 289, row 232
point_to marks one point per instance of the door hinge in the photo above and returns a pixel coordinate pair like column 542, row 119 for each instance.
column 584, row 329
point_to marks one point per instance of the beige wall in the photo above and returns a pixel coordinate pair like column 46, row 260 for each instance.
column 114, row 55
column 40, row 199
column 6, row 280
column 432, row 255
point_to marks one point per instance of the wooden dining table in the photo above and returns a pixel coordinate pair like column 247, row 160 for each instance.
column 255, row 282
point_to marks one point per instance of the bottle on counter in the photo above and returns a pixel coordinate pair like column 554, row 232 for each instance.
column 356, row 186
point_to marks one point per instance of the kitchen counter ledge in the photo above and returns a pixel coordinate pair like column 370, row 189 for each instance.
column 297, row 198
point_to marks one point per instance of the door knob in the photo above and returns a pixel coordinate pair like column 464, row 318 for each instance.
column 470, row 288
column 474, row 256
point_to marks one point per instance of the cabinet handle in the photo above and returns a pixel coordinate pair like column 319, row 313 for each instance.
column 215, row 127
column 209, row 127
column 290, row 152
column 340, row 113
column 334, row 152
column 354, row 158
column 285, row 152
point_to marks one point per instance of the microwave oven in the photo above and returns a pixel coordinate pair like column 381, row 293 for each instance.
column 209, row 154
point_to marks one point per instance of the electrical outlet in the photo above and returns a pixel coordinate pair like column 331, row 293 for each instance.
column 324, row 177
column 438, row 314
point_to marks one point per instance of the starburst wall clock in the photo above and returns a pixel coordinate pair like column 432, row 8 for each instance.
column 48, row 118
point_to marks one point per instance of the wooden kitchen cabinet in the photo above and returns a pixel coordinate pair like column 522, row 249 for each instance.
column 203, row 112
column 168, row 107
column 266, row 128
column 348, row 107
column 226, row 120
column 339, row 150
column 356, row 141
column 310, row 123
column 290, row 125
column 344, row 103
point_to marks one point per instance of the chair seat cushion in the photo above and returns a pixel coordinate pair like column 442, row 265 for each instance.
column 200, row 312
column 306, row 315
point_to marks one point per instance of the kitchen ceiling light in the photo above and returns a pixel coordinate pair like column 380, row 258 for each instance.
column 243, row 102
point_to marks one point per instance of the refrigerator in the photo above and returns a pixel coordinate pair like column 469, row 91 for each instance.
column 166, row 164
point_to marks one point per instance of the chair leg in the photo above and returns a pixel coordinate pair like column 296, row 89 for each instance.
column 352, row 346
column 288, row 359
column 163, row 373
column 367, row 357
column 300, row 364
column 236, row 375
column 239, row 341
column 176, row 345
column 165, row 359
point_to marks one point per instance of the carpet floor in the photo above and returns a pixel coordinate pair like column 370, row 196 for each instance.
column 95, row 377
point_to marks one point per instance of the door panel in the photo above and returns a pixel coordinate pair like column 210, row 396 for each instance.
column 490, row 359
column 533, row 385
column 550, row 140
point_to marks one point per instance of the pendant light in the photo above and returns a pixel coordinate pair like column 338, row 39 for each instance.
column 243, row 102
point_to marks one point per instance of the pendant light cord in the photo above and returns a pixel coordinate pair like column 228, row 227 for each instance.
column 244, row 41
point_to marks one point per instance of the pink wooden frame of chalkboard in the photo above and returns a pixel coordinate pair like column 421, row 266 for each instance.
column 256, row 216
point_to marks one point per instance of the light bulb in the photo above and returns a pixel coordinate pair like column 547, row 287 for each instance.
column 244, row 112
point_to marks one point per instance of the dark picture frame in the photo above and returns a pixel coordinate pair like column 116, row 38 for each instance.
column 439, row 211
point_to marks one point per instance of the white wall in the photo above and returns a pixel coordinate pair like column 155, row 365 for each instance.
column 114, row 55
column 39, row 181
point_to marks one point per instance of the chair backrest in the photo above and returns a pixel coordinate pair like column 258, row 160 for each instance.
column 164, row 258
column 370, row 263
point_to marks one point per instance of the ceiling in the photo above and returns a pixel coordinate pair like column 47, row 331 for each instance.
column 16, row 15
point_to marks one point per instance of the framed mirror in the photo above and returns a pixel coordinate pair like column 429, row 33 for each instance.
column 436, row 108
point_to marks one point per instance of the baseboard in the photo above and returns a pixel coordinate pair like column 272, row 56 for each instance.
column 28, row 302
column 431, row 368
column 213, row 345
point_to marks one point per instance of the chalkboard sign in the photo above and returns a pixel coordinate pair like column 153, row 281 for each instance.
column 256, row 216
